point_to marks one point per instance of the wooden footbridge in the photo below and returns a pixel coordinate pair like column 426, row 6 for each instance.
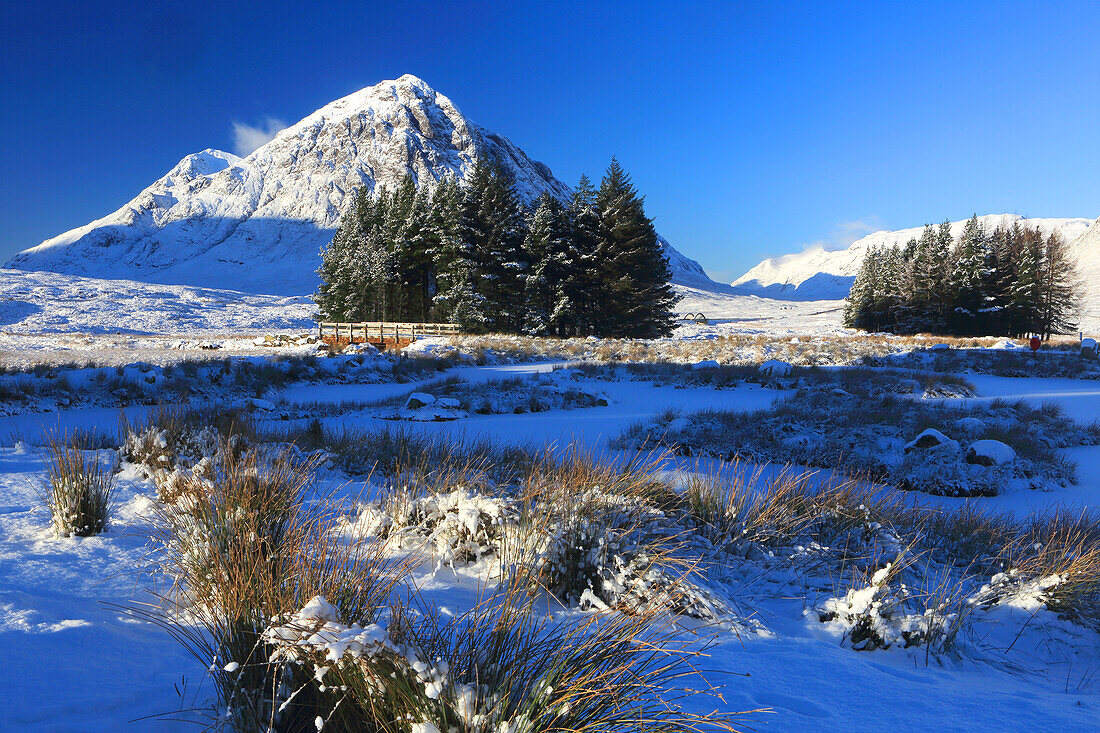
column 382, row 334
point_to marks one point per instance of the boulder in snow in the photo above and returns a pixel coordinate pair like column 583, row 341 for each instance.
column 776, row 368
column 1088, row 348
column 930, row 438
column 990, row 453
column 448, row 403
column 419, row 399
column 704, row 364
column 969, row 424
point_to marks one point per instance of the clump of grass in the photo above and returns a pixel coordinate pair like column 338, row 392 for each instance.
column 306, row 629
column 244, row 544
column 507, row 664
column 168, row 434
column 79, row 489
column 398, row 450
column 592, row 533
column 1063, row 547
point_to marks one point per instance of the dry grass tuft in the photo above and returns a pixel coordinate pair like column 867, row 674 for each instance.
column 79, row 489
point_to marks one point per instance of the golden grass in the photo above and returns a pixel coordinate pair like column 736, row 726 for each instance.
column 79, row 490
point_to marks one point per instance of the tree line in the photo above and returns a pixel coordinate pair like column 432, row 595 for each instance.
column 475, row 255
column 1012, row 281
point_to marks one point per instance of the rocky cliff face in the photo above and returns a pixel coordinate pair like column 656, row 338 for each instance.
column 258, row 223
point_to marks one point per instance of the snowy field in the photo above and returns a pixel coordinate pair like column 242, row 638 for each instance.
column 51, row 318
column 778, row 624
column 76, row 662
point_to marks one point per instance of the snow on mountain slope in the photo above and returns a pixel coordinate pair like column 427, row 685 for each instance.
column 1086, row 248
column 257, row 223
column 38, row 303
column 819, row 274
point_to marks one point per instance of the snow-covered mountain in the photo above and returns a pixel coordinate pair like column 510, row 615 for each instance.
column 257, row 223
column 820, row 274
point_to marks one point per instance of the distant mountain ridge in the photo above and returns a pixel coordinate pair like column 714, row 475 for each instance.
column 257, row 223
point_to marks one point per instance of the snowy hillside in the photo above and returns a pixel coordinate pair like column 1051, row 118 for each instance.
column 257, row 223
column 819, row 274
column 1086, row 248
column 39, row 303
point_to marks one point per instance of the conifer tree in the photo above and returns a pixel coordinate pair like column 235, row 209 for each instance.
column 375, row 294
column 335, row 272
column 969, row 277
column 412, row 242
column 860, row 307
column 924, row 268
column 493, row 225
column 1061, row 289
column 584, row 288
column 456, row 300
column 634, row 270
column 550, row 310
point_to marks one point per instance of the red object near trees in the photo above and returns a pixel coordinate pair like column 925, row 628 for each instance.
column 1036, row 342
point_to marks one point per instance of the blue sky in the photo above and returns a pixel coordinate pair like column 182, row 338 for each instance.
column 753, row 129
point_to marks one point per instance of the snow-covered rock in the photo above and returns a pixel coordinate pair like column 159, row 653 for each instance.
column 448, row 403
column 704, row 364
column 256, row 224
column 990, row 453
column 776, row 368
column 419, row 399
column 927, row 439
column 969, row 424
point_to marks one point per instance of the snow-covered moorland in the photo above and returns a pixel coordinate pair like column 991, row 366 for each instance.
column 985, row 609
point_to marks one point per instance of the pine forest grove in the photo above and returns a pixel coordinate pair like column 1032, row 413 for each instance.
column 1012, row 281
column 476, row 256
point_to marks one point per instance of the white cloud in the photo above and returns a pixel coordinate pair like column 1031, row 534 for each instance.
column 849, row 231
column 846, row 232
column 247, row 138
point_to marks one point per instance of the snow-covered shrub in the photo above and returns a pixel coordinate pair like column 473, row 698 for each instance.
column 79, row 489
column 176, row 435
column 454, row 526
column 887, row 613
column 860, row 381
column 591, row 546
column 1003, row 362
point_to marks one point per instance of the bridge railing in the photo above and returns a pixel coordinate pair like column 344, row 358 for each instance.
column 380, row 331
column 694, row 317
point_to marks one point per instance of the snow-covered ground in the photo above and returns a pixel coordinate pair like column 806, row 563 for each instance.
column 74, row 663
column 38, row 303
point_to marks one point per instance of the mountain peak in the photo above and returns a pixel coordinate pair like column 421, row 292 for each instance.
column 258, row 223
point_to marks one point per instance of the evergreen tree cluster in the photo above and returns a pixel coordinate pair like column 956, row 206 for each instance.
column 476, row 256
column 1013, row 281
